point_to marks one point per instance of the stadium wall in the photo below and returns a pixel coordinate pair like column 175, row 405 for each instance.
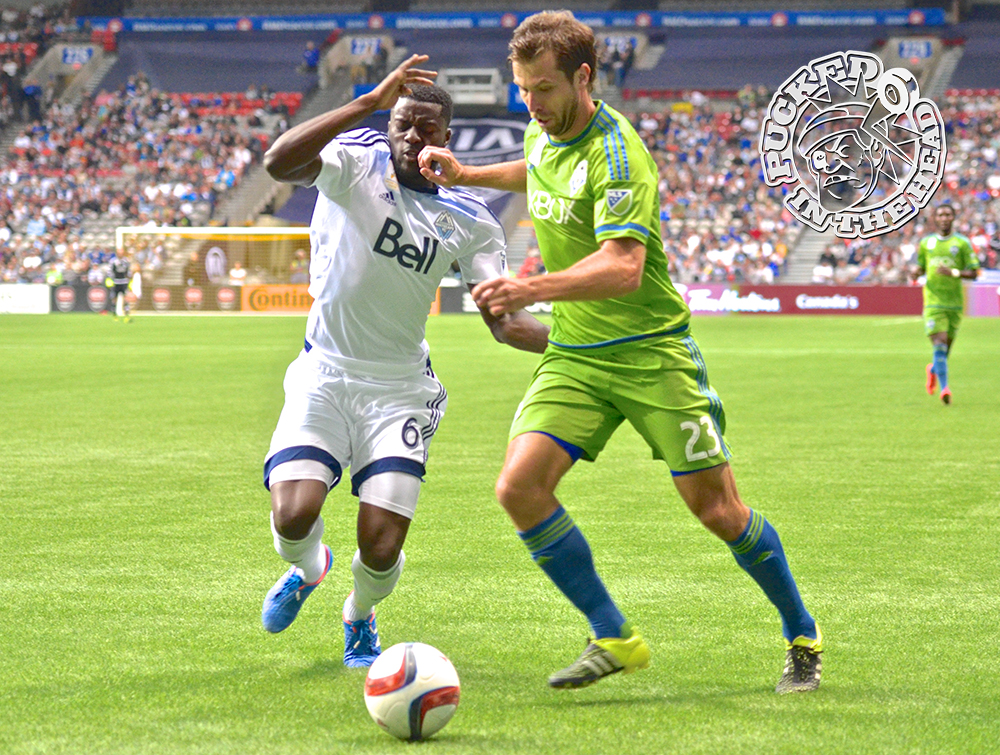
column 982, row 299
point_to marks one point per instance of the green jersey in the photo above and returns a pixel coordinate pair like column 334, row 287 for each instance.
column 954, row 252
column 601, row 185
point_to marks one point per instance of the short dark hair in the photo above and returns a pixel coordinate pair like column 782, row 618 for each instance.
column 435, row 95
column 571, row 41
column 946, row 206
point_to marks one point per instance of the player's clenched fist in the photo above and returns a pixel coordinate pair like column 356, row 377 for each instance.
column 397, row 84
column 502, row 295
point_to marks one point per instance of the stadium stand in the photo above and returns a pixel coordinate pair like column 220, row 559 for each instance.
column 719, row 223
column 215, row 61
column 725, row 59
column 134, row 156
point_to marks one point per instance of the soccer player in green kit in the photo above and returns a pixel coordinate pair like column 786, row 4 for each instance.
column 620, row 349
column 945, row 258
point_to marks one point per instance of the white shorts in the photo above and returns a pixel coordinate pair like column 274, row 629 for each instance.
column 371, row 425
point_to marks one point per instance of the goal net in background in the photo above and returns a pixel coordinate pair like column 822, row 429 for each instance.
column 263, row 269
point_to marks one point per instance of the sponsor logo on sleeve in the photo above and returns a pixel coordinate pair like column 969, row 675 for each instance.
column 619, row 201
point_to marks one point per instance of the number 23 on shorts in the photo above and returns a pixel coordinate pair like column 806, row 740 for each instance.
column 695, row 429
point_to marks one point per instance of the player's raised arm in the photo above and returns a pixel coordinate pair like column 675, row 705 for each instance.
column 294, row 156
column 440, row 166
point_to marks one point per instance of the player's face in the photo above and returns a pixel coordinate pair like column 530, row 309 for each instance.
column 944, row 218
column 414, row 125
column 553, row 100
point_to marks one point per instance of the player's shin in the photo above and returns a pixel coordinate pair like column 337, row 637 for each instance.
column 308, row 553
column 560, row 549
column 941, row 363
column 370, row 587
column 758, row 551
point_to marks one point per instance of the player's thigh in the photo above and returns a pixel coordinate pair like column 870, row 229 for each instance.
column 937, row 320
column 669, row 400
column 395, row 423
column 567, row 400
column 954, row 323
column 312, row 433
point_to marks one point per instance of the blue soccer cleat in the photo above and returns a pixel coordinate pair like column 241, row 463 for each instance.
column 361, row 643
column 283, row 601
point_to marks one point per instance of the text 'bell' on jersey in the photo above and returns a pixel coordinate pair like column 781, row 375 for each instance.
column 954, row 252
column 597, row 186
column 379, row 251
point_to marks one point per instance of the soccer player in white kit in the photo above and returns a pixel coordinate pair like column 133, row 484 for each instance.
column 362, row 393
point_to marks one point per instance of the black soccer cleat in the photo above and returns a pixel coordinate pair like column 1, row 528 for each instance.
column 803, row 666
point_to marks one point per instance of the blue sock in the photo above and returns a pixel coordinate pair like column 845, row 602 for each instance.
column 941, row 364
column 758, row 550
column 558, row 546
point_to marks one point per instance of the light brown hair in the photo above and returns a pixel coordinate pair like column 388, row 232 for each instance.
column 571, row 41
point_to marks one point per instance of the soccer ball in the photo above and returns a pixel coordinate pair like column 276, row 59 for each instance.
column 412, row 690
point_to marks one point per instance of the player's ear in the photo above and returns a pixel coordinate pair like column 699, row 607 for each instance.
column 583, row 75
column 447, row 137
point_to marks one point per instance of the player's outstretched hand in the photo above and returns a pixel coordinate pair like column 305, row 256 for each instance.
column 502, row 295
column 397, row 84
column 438, row 165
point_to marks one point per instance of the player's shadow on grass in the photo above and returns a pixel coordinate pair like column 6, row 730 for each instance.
column 327, row 668
column 663, row 698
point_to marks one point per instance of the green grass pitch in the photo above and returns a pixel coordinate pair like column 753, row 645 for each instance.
column 135, row 551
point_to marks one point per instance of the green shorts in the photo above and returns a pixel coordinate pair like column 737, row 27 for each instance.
column 940, row 320
column 661, row 388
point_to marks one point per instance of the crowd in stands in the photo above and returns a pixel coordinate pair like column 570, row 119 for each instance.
column 720, row 223
column 24, row 36
column 971, row 185
column 137, row 156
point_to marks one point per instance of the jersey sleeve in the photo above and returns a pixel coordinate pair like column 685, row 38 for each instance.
column 345, row 161
column 625, row 194
column 486, row 256
column 922, row 254
column 971, row 261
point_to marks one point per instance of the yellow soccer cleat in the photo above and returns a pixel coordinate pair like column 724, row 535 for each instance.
column 603, row 657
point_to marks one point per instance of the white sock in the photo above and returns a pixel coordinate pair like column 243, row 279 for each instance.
column 308, row 554
column 370, row 587
column 120, row 305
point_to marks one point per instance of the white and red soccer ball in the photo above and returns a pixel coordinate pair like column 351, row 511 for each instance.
column 412, row 690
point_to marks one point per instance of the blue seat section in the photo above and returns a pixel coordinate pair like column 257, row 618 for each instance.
column 979, row 66
column 728, row 59
column 214, row 61
column 457, row 48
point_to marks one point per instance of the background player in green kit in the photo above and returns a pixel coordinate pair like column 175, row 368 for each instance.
column 620, row 349
column 945, row 258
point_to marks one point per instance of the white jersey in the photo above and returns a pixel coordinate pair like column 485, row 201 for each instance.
column 379, row 251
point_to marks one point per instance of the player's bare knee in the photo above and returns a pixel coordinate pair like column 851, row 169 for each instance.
column 295, row 508
column 516, row 493
column 380, row 554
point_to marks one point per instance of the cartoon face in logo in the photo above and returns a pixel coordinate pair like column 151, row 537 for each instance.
column 844, row 161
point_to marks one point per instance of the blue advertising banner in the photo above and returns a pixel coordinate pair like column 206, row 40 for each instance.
column 640, row 19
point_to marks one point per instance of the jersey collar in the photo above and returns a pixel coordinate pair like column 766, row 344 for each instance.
column 583, row 134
